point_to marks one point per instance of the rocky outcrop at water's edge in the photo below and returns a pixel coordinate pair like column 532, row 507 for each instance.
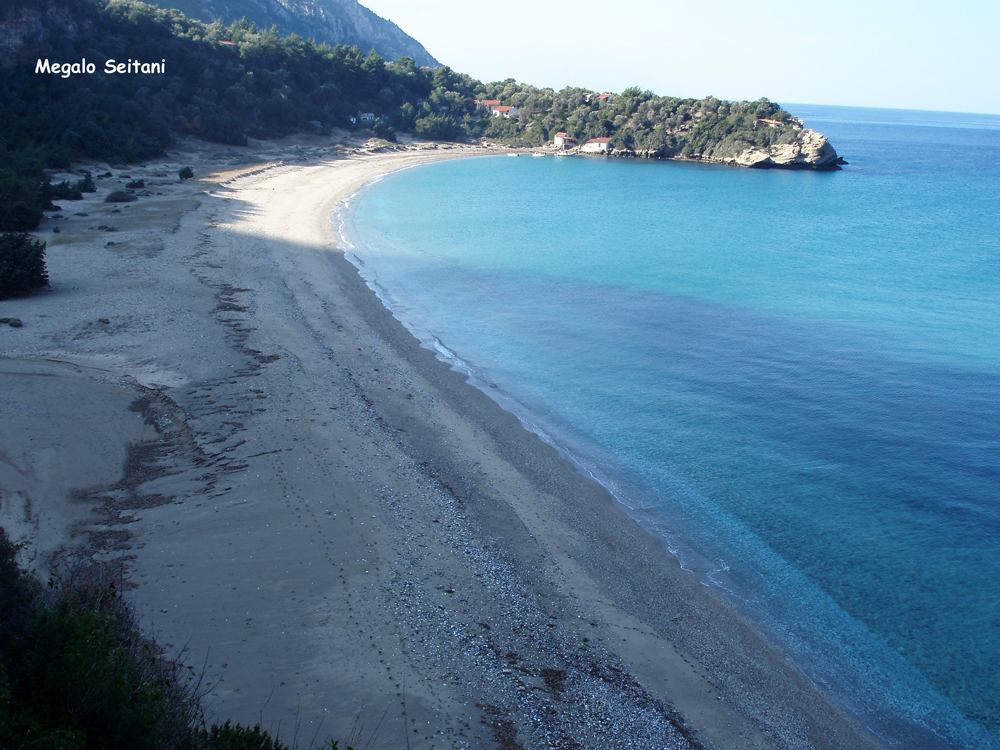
column 811, row 151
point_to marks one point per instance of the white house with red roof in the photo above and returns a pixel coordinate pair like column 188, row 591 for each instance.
column 505, row 111
column 562, row 140
column 596, row 146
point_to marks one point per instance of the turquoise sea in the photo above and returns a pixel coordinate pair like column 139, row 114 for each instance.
column 792, row 377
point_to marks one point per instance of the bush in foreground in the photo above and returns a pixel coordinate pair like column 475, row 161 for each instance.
column 120, row 196
column 21, row 202
column 22, row 264
column 77, row 673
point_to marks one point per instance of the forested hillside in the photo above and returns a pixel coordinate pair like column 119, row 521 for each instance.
column 640, row 121
column 226, row 83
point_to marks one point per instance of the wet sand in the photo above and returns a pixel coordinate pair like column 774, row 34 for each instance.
column 347, row 538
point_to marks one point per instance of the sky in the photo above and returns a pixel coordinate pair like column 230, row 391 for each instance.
column 914, row 55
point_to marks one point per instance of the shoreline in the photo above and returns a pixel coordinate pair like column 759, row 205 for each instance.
column 623, row 488
column 312, row 472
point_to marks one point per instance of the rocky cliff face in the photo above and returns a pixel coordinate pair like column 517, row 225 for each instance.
column 40, row 24
column 333, row 21
column 810, row 151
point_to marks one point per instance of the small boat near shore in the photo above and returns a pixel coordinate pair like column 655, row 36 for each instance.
column 538, row 154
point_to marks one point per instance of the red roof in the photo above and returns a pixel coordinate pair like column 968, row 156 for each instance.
column 560, row 134
column 599, row 140
column 489, row 102
column 603, row 96
column 503, row 109
column 231, row 44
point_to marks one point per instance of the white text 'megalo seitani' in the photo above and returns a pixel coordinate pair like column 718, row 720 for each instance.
column 111, row 66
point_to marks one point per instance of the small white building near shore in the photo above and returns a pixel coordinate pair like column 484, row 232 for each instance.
column 596, row 146
column 562, row 140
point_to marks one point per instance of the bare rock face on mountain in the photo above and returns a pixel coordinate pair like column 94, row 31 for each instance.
column 333, row 21
column 20, row 24
column 810, row 151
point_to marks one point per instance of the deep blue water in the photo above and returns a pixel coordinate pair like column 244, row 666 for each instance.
column 792, row 377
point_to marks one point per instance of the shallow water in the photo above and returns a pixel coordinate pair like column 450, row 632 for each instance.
column 792, row 377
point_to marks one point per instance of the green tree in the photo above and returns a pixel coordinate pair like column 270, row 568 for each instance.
column 21, row 204
column 22, row 264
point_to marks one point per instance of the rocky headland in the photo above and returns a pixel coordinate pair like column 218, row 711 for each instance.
column 811, row 151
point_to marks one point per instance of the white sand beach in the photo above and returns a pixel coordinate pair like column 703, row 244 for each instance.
column 350, row 540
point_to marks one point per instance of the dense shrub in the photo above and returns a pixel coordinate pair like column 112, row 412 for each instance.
column 120, row 196
column 77, row 673
column 18, row 593
column 22, row 264
column 434, row 126
column 230, row 736
column 21, row 202
column 64, row 191
column 136, row 184
column 87, row 185
column 185, row 173
column 89, row 671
